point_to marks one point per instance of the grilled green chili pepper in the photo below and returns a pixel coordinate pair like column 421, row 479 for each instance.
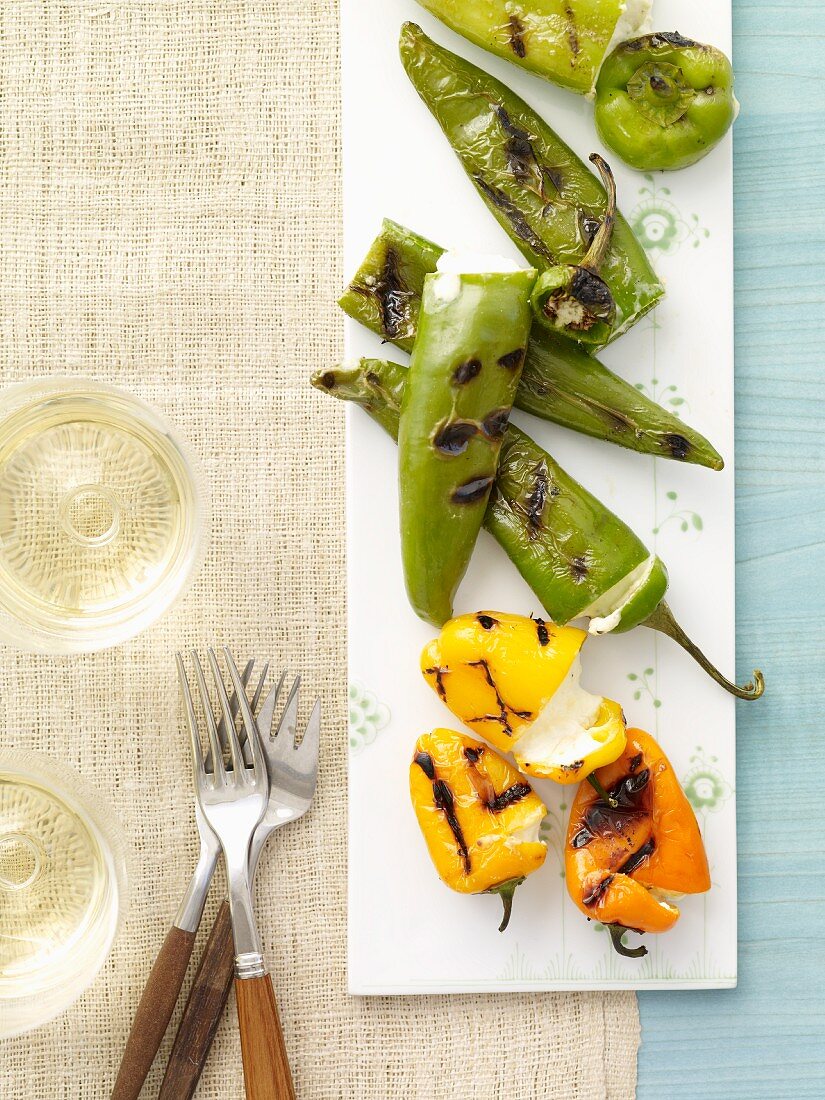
column 533, row 184
column 572, row 299
column 465, row 367
column 577, row 556
column 563, row 41
column 560, row 381
column 663, row 101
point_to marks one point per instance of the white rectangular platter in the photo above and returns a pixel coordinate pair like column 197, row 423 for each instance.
column 407, row 932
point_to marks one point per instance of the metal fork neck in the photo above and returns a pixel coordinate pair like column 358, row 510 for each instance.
column 245, row 932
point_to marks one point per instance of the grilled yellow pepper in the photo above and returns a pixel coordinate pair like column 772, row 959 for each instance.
column 515, row 681
column 479, row 817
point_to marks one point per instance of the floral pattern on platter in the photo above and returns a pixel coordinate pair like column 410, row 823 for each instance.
column 706, row 788
column 659, row 224
column 685, row 518
column 667, row 395
column 644, row 683
column 367, row 716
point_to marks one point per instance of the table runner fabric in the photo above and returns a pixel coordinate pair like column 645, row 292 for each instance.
column 170, row 222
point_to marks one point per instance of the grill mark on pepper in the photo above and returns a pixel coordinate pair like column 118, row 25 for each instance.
column 634, row 762
column 509, row 797
column 484, row 786
column 466, row 372
column 512, row 360
column 632, row 863
column 678, row 446
column 598, row 891
column 542, row 632
column 425, row 762
column 443, row 798
column 572, row 35
column 328, row 380
column 627, row 791
column 391, row 295
column 515, row 39
column 673, row 38
column 504, row 710
column 486, row 622
column 495, row 424
column 438, row 673
column 538, row 497
column 476, row 489
column 588, row 227
column 518, row 223
column 454, row 437
column 522, row 159
column 579, row 570
column 582, row 838
column 574, row 767
column 603, row 820
column 592, row 291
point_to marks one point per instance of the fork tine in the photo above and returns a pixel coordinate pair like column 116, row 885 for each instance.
column 233, row 703
column 267, row 711
column 306, row 754
column 288, row 724
column 191, row 722
column 238, row 766
column 211, row 725
column 252, row 734
column 256, row 698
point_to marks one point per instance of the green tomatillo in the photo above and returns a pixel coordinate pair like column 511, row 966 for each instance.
column 664, row 101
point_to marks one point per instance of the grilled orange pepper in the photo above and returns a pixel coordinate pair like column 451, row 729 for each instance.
column 623, row 862
column 479, row 817
column 515, row 681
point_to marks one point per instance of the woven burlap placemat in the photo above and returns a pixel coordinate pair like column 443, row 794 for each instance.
column 170, row 222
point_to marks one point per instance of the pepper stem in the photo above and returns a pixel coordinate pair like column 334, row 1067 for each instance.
column 662, row 619
column 598, row 787
column 597, row 251
column 616, row 932
column 505, row 891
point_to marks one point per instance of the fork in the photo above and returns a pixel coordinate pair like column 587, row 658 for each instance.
column 165, row 979
column 233, row 802
column 292, row 778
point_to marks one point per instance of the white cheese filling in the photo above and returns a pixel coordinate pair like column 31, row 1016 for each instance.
column 446, row 285
column 559, row 736
column 528, row 833
column 606, row 612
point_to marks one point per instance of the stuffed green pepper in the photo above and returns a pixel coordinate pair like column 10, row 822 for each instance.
column 472, row 334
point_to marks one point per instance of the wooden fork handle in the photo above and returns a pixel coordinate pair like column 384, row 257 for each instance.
column 265, row 1065
column 153, row 1013
column 209, row 994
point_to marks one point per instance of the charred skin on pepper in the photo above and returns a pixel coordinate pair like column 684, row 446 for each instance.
column 475, row 811
column 531, row 181
column 560, row 381
column 621, row 857
column 540, row 554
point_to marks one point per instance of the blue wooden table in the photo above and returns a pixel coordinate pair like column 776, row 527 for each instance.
column 767, row 1038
